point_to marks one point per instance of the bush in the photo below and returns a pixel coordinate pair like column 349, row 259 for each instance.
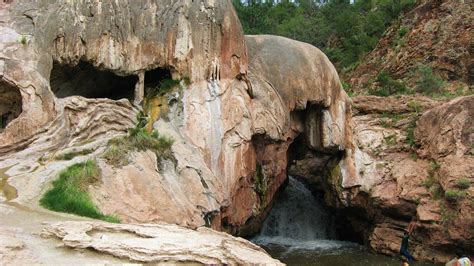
column 402, row 31
column 428, row 82
column 463, row 183
column 453, row 195
column 410, row 139
column 387, row 85
column 164, row 86
column 69, row 193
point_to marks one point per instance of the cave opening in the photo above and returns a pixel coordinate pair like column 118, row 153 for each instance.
column 90, row 82
column 303, row 222
column 158, row 81
column 10, row 104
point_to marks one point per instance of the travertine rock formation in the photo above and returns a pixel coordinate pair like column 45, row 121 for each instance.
column 159, row 243
column 231, row 126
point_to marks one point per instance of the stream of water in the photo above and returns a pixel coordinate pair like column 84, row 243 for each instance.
column 299, row 231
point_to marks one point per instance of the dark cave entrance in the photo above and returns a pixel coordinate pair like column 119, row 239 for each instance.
column 158, row 81
column 10, row 104
column 87, row 81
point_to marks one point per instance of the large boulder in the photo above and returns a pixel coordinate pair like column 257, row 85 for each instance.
column 158, row 243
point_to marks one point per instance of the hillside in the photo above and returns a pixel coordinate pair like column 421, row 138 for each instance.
column 429, row 50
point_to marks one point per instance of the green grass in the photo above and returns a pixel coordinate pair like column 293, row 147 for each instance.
column 69, row 193
column 390, row 120
column 448, row 95
column 463, row 183
column 138, row 139
column 70, row 155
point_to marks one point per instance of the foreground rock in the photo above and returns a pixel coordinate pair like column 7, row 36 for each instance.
column 159, row 243
column 410, row 165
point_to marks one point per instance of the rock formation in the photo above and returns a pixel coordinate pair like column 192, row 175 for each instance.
column 159, row 243
column 82, row 71
column 240, row 110
column 410, row 165
column 437, row 34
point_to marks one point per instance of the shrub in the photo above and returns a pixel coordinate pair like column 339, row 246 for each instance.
column 398, row 40
column 410, row 139
column 453, row 195
column 387, row 85
column 428, row 82
column 164, row 86
column 23, row 39
column 69, row 193
column 463, row 183
column 429, row 182
column 436, row 191
column 414, row 106
column 402, row 31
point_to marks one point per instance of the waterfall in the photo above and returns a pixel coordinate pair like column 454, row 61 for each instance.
column 299, row 221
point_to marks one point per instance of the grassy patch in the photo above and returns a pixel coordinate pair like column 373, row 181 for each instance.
column 70, row 155
column 390, row 120
column 138, row 139
column 448, row 95
column 463, row 183
column 69, row 192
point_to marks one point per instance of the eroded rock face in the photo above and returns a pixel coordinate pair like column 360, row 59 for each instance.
column 407, row 163
column 200, row 40
column 232, row 121
column 157, row 243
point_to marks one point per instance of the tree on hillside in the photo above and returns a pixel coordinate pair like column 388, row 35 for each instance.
column 345, row 30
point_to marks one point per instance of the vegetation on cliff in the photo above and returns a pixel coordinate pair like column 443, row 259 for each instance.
column 69, row 193
column 344, row 31
column 138, row 139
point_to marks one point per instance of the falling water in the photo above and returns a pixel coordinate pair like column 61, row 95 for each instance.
column 300, row 231
column 299, row 221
